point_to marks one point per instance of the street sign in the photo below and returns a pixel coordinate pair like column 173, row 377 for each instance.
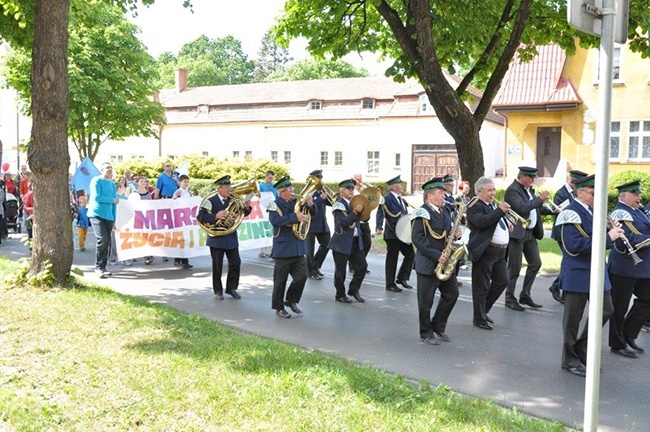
column 622, row 18
column 587, row 16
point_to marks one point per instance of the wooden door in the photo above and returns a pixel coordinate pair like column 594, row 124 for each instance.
column 428, row 164
column 548, row 150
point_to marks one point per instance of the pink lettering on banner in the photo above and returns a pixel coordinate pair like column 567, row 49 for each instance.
column 182, row 217
column 165, row 219
column 256, row 211
column 145, row 220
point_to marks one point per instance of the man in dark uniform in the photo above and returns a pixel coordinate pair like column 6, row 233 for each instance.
column 451, row 208
column 346, row 244
column 213, row 209
column 626, row 277
column 393, row 208
column 366, row 235
column 522, row 199
column 288, row 250
column 563, row 197
column 318, row 230
column 576, row 230
column 488, row 241
column 431, row 226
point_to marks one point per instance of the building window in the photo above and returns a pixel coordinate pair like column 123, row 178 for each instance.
column 615, row 140
column 315, row 105
column 137, row 156
column 204, row 153
column 203, row 109
column 235, row 154
column 338, row 158
column 287, row 157
column 117, row 158
column 398, row 160
column 368, row 104
column 324, row 158
column 425, row 105
column 274, row 155
column 373, row 162
column 248, row 154
column 617, row 71
column 638, row 140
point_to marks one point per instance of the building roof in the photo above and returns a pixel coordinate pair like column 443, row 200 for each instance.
column 538, row 84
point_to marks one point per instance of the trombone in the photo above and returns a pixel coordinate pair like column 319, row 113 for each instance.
column 513, row 217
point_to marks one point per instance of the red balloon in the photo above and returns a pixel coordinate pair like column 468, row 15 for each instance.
column 5, row 166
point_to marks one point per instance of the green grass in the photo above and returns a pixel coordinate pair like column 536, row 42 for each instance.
column 90, row 359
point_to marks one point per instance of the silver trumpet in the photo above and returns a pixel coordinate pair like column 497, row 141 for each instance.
column 513, row 217
column 630, row 250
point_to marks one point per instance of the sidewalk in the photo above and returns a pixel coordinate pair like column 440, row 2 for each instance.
column 517, row 364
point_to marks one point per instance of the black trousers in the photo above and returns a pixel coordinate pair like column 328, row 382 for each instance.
column 297, row 268
column 529, row 248
column 626, row 324
column 315, row 261
column 366, row 237
column 234, row 268
column 556, row 282
column 427, row 285
column 357, row 261
column 574, row 351
column 489, row 280
column 393, row 249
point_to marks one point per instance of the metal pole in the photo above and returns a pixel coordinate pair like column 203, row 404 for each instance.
column 596, row 291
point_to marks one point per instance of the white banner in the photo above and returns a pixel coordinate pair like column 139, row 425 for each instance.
column 169, row 228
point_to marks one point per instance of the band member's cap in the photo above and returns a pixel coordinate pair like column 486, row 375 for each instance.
column 348, row 184
column 284, row 182
column 447, row 178
column 317, row 173
column 528, row 171
column 394, row 181
column 225, row 180
column 582, row 182
column 577, row 174
column 436, row 182
column 633, row 186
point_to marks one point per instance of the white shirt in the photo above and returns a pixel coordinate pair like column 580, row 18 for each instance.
column 501, row 236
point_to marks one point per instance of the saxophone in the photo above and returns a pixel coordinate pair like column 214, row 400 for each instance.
column 453, row 253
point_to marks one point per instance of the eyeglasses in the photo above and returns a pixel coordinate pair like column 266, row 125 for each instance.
column 168, row 166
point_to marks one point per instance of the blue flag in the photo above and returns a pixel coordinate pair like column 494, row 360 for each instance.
column 84, row 174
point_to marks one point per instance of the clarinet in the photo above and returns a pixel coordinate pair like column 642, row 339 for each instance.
column 644, row 210
column 630, row 250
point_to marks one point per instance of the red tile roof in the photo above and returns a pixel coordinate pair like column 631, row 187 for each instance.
column 537, row 84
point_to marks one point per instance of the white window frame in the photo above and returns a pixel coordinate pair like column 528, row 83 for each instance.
column 203, row 109
column 235, row 154
column 367, row 103
column 205, row 153
column 248, row 154
column 315, row 105
column 373, row 161
column 117, row 158
column 641, row 136
column 287, row 157
column 616, row 62
column 274, row 155
column 424, row 104
column 615, row 135
column 398, row 160
column 324, row 158
column 338, row 158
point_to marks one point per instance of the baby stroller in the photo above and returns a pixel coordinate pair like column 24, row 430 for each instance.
column 12, row 210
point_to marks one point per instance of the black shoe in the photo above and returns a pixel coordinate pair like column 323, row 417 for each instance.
column 319, row 273
column 315, row 276
column 219, row 296
column 555, row 292
column 343, row 299
column 234, row 294
column 404, row 283
column 488, row 319
column 459, row 283
column 577, row 370
column 530, row 302
column 294, row 307
column 394, row 289
column 484, row 326
column 283, row 313
column 442, row 336
column 187, row 266
column 177, row 262
column 358, row 297
column 632, row 344
column 367, row 271
column 625, row 352
column 514, row 305
column 430, row 340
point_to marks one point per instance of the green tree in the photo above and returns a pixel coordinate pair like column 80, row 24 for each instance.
column 311, row 69
column 428, row 38
column 208, row 62
column 271, row 59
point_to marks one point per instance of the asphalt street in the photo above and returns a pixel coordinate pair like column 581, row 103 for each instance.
column 516, row 364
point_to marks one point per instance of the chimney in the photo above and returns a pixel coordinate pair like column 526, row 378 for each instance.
column 181, row 79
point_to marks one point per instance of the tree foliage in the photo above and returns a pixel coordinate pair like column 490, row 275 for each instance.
column 271, row 59
column 311, row 69
column 429, row 38
column 208, row 62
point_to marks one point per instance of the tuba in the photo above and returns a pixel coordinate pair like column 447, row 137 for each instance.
column 235, row 209
column 453, row 253
column 301, row 229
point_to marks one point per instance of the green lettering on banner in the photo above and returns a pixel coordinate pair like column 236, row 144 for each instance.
column 203, row 235
column 250, row 230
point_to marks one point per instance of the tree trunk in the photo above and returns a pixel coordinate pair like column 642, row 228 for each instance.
column 48, row 148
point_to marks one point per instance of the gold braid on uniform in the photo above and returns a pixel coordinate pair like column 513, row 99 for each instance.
column 432, row 232
column 389, row 213
column 582, row 231
column 632, row 228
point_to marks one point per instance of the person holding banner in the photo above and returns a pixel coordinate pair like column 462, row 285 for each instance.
column 102, row 208
column 318, row 230
column 266, row 185
column 212, row 210
column 288, row 250
column 167, row 182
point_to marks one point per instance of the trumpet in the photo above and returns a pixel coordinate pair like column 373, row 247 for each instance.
column 552, row 207
column 513, row 217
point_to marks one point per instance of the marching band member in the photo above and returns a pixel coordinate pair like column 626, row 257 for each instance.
column 523, row 240
column 390, row 212
column 288, row 250
column 346, row 244
column 213, row 209
column 366, row 236
column 318, row 230
column 628, row 278
column 576, row 231
column 430, row 227
column 562, row 198
column 488, row 241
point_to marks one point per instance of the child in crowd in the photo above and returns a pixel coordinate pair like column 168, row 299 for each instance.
column 183, row 192
column 145, row 194
column 83, row 222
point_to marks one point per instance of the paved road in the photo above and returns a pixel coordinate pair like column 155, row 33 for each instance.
column 517, row 364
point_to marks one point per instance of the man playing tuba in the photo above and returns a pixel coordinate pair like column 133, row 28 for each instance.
column 430, row 227
column 212, row 210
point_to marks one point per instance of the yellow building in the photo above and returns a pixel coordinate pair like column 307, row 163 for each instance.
column 551, row 106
